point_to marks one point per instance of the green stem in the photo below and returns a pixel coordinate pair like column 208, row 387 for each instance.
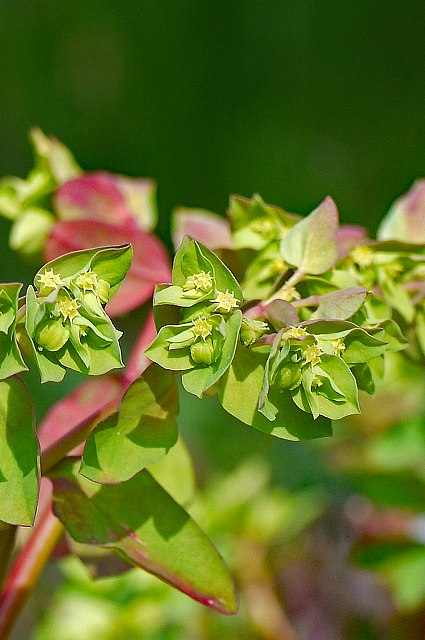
column 296, row 277
column 27, row 569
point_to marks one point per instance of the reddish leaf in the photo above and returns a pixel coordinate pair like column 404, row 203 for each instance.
column 66, row 414
column 207, row 227
column 150, row 264
column 93, row 195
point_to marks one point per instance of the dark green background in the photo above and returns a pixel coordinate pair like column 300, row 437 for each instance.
column 293, row 99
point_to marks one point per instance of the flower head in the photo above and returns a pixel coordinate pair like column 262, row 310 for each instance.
column 295, row 332
column 202, row 281
column 49, row 281
column 312, row 354
column 202, row 328
column 226, row 301
column 68, row 308
column 87, row 281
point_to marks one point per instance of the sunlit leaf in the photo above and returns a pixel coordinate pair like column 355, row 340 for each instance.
column 19, row 459
column 311, row 245
column 139, row 434
column 240, row 390
column 146, row 527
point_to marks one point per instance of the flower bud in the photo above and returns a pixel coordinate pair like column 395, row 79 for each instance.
column 202, row 352
column 251, row 330
column 288, row 376
column 51, row 335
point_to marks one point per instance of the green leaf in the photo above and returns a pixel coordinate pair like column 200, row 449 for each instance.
column 177, row 463
column 30, row 231
column 19, row 460
column 174, row 359
column 341, row 305
column 10, row 357
column 338, row 397
column 224, row 278
column 360, row 346
column 256, row 223
column 364, row 377
column 139, row 434
column 311, row 245
column 200, row 379
column 109, row 263
column 240, row 390
column 16, row 195
column 146, row 527
column 392, row 335
column 189, row 260
column 398, row 298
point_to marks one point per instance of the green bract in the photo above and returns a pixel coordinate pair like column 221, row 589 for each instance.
column 10, row 357
column 204, row 342
column 65, row 321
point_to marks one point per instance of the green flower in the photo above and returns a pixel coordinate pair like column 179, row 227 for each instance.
column 226, row 301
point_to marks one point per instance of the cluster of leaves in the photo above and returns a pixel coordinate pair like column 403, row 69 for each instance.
column 293, row 359
column 311, row 317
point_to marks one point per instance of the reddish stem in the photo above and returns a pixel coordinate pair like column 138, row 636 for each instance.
column 27, row 569
column 37, row 551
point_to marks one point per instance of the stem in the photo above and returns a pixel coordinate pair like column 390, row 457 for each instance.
column 27, row 569
column 293, row 280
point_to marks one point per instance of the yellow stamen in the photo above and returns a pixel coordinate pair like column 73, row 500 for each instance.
column 202, row 328
column 226, row 301
column 68, row 308
column 50, row 279
column 87, row 281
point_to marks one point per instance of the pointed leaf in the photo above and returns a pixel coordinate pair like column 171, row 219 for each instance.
column 405, row 220
column 146, row 527
column 139, row 434
column 341, row 304
column 311, row 245
column 54, row 156
column 174, row 359
column 19, row 459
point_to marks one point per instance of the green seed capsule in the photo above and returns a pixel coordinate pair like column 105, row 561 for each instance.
column 202, row 352
column 51, row 335
column 288, row 376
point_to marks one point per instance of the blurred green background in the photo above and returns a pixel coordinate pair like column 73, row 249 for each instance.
column 294, row 100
